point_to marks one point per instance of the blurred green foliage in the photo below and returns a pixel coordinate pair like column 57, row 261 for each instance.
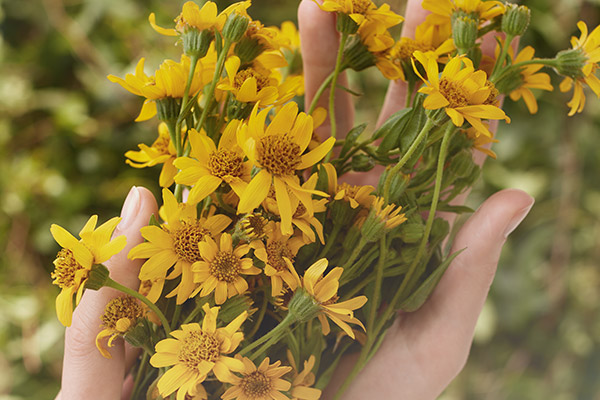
column 64, row 129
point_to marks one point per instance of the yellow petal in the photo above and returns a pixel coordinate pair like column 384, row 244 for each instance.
column 161, row 30
column 311, row 158
column 256, row 191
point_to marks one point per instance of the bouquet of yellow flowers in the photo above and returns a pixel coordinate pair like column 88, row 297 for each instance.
column 259, row 234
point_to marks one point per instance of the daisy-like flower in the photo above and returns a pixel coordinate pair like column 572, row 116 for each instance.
column 209, row 166
column 254, row 227
column 274, row 254
column 380, row 219
column 529, row 78
column 222, row 267
column 262, row 383
column 193, row 17
column 74, row 261
column 175, row 244
column 461, row 91
column 588, row 47
column 277, row 152
column 258, row 39
column 169, row 82
column 195, row 351
column 323, row 291
column 162, row 151
column 443, row 9
column 303, row 380
column 362, row 11
column 379, row 43
column 355, row 195
column 120, row 315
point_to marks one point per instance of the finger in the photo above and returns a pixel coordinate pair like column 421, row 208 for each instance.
column 320, row 40
column 85, row 370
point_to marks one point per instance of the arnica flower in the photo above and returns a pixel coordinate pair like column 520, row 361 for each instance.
column 361, row 11
column 74, row 261
column 193, row 17
column 221, row 268
column 274, row 254
column 379, row 43
column 277, row 152
column 162, row 151
column 175, row 244
column 381, row 219
column 259, row 383
column 354, row 195
column 527, row 78
column 588, row 47
column 303, row 380
column 120, row 315
column 209, row 166
column 461, row 91
column 256, row 40
column 197, row 351
column 253, row 227
column 443, row 9
column 168, row 83
column 481, row 142
column 323, row 290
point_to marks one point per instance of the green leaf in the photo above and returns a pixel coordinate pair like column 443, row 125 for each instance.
column 352, row 92
column 351, row 138
column 385, row 128
column 153, row 221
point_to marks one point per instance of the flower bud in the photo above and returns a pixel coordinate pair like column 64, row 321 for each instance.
column 362, row 163
column 357, row 56
column 196, row 42
column 345, row 24
column 167, row 109
column 248, row 49
column 411, row 232
column 303, row 306
column 464, row 30
column 571, row 62
column 235, row 27
column 97, row 278
column 398, row 184
column 462, row 164
column 515, row 20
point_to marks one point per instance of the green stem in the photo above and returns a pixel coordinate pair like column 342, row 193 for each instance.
column 261, row 316
column 378, row 282
column 176, row 315
column 330, row 240
column 188, row 85
column 213, row 84
column 336, row 73
column 269, row 336
column 193, row 314
column 139, row 375
column 319, row 93
column 178, row 192
column 362, row 243
column 413, row 147
column 502, row 56
column 143, row 299
column 549, row 62
column 409, row 91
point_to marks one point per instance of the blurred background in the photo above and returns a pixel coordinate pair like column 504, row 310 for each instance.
column 64, row 129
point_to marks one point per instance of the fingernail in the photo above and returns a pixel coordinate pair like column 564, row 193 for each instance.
column 517, row 219
column 130, row 207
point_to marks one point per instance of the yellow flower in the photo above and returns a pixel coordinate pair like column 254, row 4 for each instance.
column 74, row 261
column 277, row 152
column 197, row 351
column 192, row 16
column 274, row 254
column 221, row 268
column 355, row 195
column 389, row 214
column 485, row 10
column 323, row 290
column 379, row 43
column 162, row 151
column 302, row 382
column 210, row 166
column 169, row 82
column 461, row 91
column 262, row 383
column 530, row 78
column 481, row 142
column 120, row 315
column 175, row 244
column 254, row 227
column 590, row 46
column 362, row 11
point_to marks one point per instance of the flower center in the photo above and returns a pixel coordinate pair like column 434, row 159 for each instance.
column 243, row 75
column 121, row 307
column 254, row 226
column 300, row 211
column 198, row 346
column 407, row 46
column 361, row 6
column 276, row 250
column 225, row 267
column 186, row 239
column 224, row 162
column 256, row 385
column 278, row 154
column 492, row 98
column 350, row 191
column 162, row 144
column 454, row 93
column 65, row 267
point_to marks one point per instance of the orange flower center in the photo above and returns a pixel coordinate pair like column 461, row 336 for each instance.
column 492, row 98
column 121, row 307
column 225, row 163
column 198, row 346
column 65, row 267
column 407, row 46
column 300, row 211
column 256, row 385
column 454, row 93
column 186, row 239
column 278, row 154
column 162, row 144
column 243, row 75
column 225, row 267
column 254, row 226
column 276, row 250
column 361, row 6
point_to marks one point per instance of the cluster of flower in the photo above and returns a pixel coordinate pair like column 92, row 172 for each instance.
column 223, row 259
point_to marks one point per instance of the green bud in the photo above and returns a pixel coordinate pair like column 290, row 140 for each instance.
column 248, row 49
column 167, row 109
column 462, row 164
column 97, row 278
column 233, row 307
column 373, row 228
column 398, row 185
column 362, row 163
column 303, row 306
column 196, row 43
column 345, row 24
column 464, row 30
column 341, row 212
column 235, row 27
column 439, row 229
column 357, row 56
column 515, row 20
column 411, row 232
column 571, row 62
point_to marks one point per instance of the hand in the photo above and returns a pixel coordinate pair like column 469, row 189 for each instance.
column 86, row 373
column 424, row 350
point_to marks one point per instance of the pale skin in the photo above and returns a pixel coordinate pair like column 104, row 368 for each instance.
column 422, row 352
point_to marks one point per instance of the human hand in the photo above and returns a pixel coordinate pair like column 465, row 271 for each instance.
column 86, row 373
column 424, row 350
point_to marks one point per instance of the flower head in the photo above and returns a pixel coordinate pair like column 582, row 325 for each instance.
column 74, row 261
column 193, row 17
column 259, row 383
column 362, row 11
column 303, row 380
column 120, row 315
column 195, row 351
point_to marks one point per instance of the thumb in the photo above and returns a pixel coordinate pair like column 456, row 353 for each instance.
column 85, row 370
